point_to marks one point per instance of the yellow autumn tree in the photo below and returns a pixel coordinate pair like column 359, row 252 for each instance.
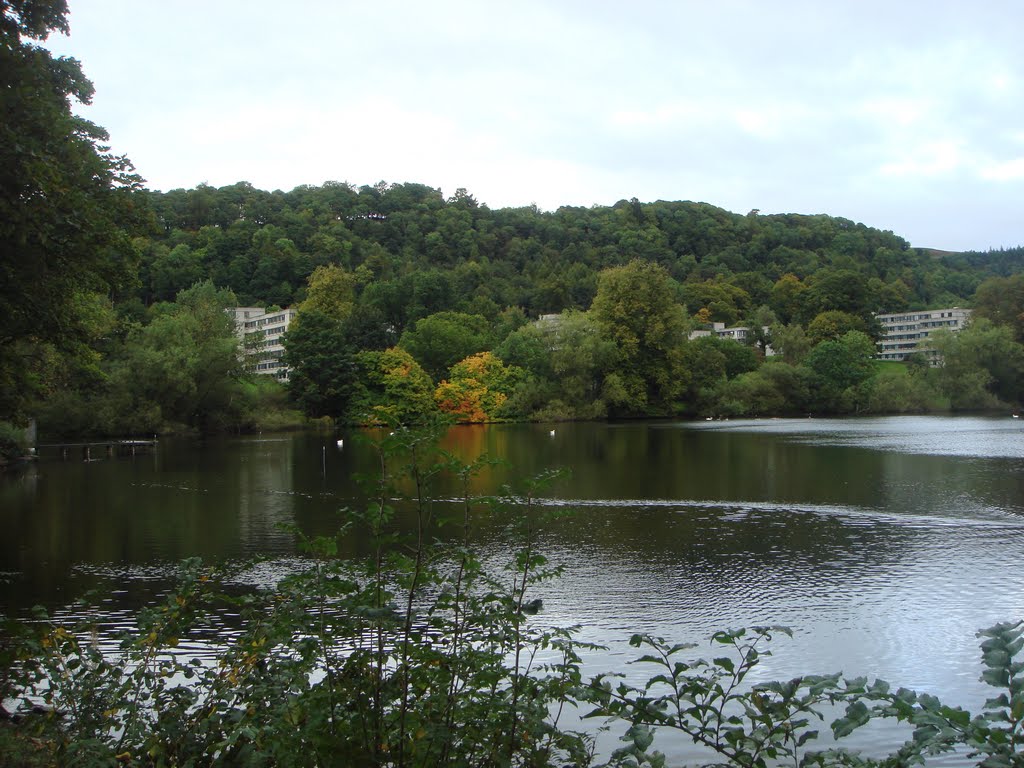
column 477, row 387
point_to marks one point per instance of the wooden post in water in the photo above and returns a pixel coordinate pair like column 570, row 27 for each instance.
column 323, row 461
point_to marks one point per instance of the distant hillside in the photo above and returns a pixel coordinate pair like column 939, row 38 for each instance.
column 415, row 252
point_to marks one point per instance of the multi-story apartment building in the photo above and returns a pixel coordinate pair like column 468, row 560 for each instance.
column 260, row 332
column 907, row 332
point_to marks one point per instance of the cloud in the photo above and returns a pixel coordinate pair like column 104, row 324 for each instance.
column 934, row 158
column 1010, row 170
column 802, row 106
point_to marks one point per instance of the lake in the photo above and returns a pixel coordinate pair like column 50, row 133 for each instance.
column 884, row 543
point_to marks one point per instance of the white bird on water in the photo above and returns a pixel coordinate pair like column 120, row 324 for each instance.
column 552, row 433
column 341, row 443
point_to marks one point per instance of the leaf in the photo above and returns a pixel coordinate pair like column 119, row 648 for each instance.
column 857, row 714
column 725, row 663
column 805, row 737
column 998, row 678
column 642, row 736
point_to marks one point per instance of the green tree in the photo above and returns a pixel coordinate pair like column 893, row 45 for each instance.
column 832, row 324
column 442, row 339
column 898, row 391
column 636, row 307
column 836, row 289
column 787, row 297
column 182, row 369
column 790, row 342
column 1001, row 300
column 760, row 324
column 725, row 302
column 323, row 366
column 981, row 366
column 392, row 388
column 67, row 205
column 582, row 357
column 331, row 291
column 841, row 367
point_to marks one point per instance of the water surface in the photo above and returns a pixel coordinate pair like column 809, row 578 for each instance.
column 884, row 543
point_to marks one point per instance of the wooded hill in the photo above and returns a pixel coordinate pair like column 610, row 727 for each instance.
column 416, row 252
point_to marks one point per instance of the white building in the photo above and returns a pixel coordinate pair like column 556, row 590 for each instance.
column 738, row 333
column 907, row 332
column 260, row 332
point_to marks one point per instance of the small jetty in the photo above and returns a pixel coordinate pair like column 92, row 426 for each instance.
column 92, row 451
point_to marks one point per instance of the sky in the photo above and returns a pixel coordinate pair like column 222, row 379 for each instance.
column 907, row 116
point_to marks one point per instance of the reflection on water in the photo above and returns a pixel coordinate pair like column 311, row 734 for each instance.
column 884, row 543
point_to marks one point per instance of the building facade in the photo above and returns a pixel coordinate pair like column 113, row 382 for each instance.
column 904, row 333
column 737, row 333
column 260, row 333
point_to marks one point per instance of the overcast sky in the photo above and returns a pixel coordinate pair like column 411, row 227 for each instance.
column 903, row 115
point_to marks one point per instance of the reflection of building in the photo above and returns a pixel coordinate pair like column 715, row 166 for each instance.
column 904, row 333
column 260, row 332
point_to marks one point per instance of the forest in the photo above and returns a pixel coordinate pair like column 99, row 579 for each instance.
column 412, row 303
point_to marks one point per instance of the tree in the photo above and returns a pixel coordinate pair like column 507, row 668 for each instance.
column 840, row 368
column 832, row 324
column 760, row 324
column 836, row 289
column 982, row 366
column 392, row 388
column 724, row 302
column 1001, row 300
column 791, row 342
column 477, row 388
column 67, row 205
column 183, row 368
column 442, row 339
column 322, row 362
column 330, row 290
column 636, row 307
column 787, row 297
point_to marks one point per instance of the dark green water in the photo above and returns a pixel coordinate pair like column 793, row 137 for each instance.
column 884, row 543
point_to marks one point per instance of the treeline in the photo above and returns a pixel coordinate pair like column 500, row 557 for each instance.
column 413, row 301
column 394, row 276
column 410, row 304
column 417, row 252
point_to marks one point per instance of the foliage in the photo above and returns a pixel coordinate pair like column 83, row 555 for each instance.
column 477, row 388
column 322, row 364
column 443, row 277
column 13, row 444
column 842, row 368
column 897, row 391
column 330, row 290
column 791, row 342
column 417, row 656
column 185, row 364
column 392, row 388
column 1001, row 300
column 442, row 339
column 754, row 726
column 636, row 307
column 982, row 365
column 832, row 324
column 67, row 205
